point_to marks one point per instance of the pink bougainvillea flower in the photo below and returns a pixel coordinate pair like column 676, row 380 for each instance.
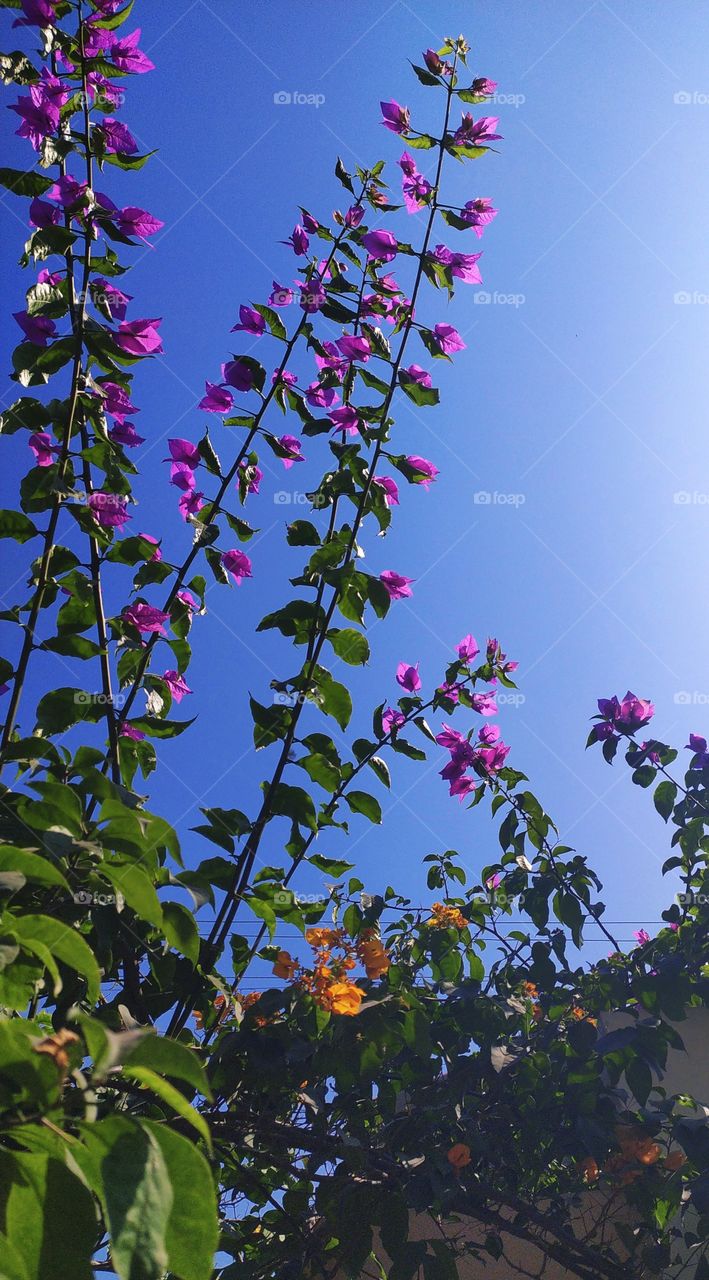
column 354, row 215
column 389, row 488
column 118, row 137
column 395, row 117
column 250, row 321
column 408, row 677
column 462, row 786
column 415, row 188
column 116, row 401
column 397, row 586
column 42, row 214
column 139, row 337
column 489, row 734
column 284, row 377
column 698, row 746
column 427, row 472
column 354, row 348
column 112, row 297
column 381, row 245
column 187, row 599
column 176, row 684
column 255, row 475
column 103, row 91
column 484, row 704
column 237, row 564
column 450, row 738
column 416, row 374
column 476, row 133
column 182, row 476
column 109, row 509
column 67, row 191
column 38, row 13
column 462, row 265
column 468, row 648
column 312, row 295
column 492, row 758
column 190, row 502
column 292, row 444
column 392, row 719
column 435, row 63
column 320, row 397
column 494, row 881
column 627, row 716
column 238, row 374
column 40, row 112
column 145, row 617
column 184, row 451
column 130, row 732
column 137, row 222
column 642, row 936
column 43, row 448
column 447, row 338
column 478, row 214
column 332, row 359
column 125, row 433
column 281, row 295
column 298, row 240
column 126, row 55
column 37, row 329
column 217, row 399
column 345, row 419
column 482, row 87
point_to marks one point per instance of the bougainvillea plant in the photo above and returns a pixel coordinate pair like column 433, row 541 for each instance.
column 414, row 1088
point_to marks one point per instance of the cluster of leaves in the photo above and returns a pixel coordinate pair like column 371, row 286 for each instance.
column 153, row 1120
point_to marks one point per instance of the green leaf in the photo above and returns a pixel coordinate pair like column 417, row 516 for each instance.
column 32, row 865
column 664, row 798
column 330, row 866
column 273, row 320
column 362, row 802
column 192, row 1231
column 295, row 803
column 415, row 391
column 137, row 1193
column 58, row 710
column 64, row 943
column 344, row 177
column 49, row 1217
column 170, row 1058
column 181, row 930
column 169, row 1094
column 321, row 770
column 136, row 887
column 333, row 698
column 13, row 524
column 350, row 645
column 24, row 184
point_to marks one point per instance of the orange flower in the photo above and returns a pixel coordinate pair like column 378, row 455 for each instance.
column 580, row 1014
column 285, row 966
column 675, row 1160
column 636, row 1145
column 444, row 917
column 459, row 1155
column 588, row 1168
column 374, row 957
column 344, row 997
column 324, row 937
column 531, row 990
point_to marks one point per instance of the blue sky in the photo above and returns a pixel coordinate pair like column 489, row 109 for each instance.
column 579, row 404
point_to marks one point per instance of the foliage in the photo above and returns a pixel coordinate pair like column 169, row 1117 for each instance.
column 409, row 1058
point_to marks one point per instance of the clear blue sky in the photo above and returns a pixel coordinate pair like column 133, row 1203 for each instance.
column 588, row 398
